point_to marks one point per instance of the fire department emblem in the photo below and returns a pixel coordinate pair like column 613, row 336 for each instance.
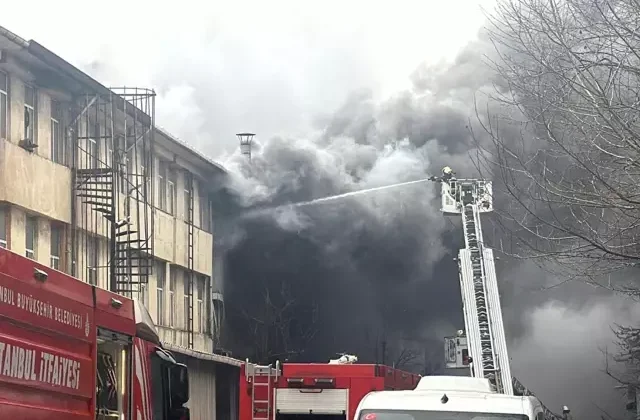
column 86, row 326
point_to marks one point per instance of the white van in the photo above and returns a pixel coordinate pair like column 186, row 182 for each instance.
column 448, row 398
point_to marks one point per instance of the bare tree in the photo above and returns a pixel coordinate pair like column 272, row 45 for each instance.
column 567, row 152
column 407, row 358
column 279, row 326
column 562, row 139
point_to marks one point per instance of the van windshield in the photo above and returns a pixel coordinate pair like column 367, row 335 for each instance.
column 436, row 415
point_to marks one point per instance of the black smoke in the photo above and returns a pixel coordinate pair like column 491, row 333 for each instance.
column 371, row 275
column 374, row 275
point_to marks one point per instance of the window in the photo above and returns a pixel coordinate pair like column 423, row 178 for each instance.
column 140, row 179
column 108, row 141
column 205, row 211
column 143, row 295
column 169, row 381
column 92, row 260
column 143, row 288
column 31, row 237
column 113, row 364
column 202, row 306
column 171, row 194
column 187, row 300
column 162, row 185
column 30, row 115
column 4, row 104
column 159, row 386
column 199, row 293
column 144, row 181
column 57, row 138
column 188, row 205
column 93, row 146
column 172, row 296
column 4, row 219
column 125, row 165
column 56, row 246
column 160, row 279
column 130, row 178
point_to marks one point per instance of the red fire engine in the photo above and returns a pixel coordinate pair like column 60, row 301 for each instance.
column 292, row 391
column 72, row 351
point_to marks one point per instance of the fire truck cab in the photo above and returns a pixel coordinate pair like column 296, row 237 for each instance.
column 74, row 351
column 313, row 391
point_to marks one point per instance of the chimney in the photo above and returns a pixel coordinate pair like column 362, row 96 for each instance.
column 245, row 143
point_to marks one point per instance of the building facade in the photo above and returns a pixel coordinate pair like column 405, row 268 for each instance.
column 89, row 185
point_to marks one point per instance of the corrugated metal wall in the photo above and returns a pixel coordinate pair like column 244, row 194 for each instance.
column 202, row 387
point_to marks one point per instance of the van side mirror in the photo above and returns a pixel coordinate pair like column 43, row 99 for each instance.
column 179, row 385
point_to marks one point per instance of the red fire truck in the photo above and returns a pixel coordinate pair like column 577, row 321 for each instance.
column 73, row 351
column 293, row 391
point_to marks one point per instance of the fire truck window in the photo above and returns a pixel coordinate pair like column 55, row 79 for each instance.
column 465, row 356
column 159, row 388
column 111, row 382
column 452, row 351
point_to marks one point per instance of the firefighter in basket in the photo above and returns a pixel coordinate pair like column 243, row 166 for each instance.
column 447, row 175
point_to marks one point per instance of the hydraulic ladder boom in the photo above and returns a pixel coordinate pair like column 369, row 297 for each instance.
column 478, row 284
column 485, row 337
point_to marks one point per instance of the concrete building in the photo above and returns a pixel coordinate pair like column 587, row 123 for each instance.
column 90, row 186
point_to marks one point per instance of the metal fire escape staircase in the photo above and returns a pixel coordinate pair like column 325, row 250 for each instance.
column 100, row 182
column 130, row 261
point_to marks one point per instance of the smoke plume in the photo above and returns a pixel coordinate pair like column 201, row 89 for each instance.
column 374, row 274
column 365, row 270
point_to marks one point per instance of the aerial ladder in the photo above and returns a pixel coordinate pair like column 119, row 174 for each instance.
column 483, row 349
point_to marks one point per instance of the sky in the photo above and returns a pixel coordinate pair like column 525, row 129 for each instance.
column 288, row 68
column 220, row 67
